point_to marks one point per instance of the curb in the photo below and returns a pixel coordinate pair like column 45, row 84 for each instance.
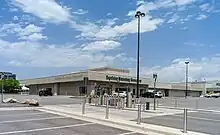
column 129, row 109
column 17, row 108
column 115, row 124
column 191, row 109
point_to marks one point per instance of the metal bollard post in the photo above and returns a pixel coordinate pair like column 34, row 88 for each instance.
column 143, row 107
column 134, row 102
column 83, row 105
column 157, row 102
column 139, row 114
column 107, row 107
column 115, row 102
column 122, row 103
column 197, row 104
column 185, row 121
column 175, row 103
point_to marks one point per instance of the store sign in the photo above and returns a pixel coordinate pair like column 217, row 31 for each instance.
column 124, row 79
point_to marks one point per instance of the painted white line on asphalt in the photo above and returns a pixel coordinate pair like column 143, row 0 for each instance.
column 128, row 133
column 200, row 118
column 44, row 129
column 23, row 120
column 23, row 114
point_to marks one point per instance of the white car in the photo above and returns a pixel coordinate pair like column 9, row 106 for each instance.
column 159, row 94
column 215, row 95
column 121, row 94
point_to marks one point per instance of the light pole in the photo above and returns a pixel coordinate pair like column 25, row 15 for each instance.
column 138, row 15
column 155, row 80
column 2, row 78
column 186, row 92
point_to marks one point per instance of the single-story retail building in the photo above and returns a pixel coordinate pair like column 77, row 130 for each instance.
column 106, row 79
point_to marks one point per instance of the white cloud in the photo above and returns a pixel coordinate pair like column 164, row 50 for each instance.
column 111, row 32
column 205, row 7
column 15, row 18
column 173, row 19
column 140, row 2
column 184, row 2
column 204, row 68
column 80, row 12
column 36, row 54
column 34, row 37
column 194, row 44
column 47, row 10
column 101, row 45
column 184, row 28
column 29, row 29
column 201, row 17
column 29, row 32
column 109, row 14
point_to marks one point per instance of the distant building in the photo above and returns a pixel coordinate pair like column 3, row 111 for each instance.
column 8, row 75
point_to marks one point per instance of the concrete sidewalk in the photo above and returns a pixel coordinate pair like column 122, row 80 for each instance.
column 117, row 118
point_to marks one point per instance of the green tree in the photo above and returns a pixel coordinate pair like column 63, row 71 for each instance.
column 10, row 85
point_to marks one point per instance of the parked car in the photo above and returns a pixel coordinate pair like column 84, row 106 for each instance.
column 215, row 95
column 121, row 94
column 46, row 92
column 159, row 94
column 207, row 95
column 147, row 95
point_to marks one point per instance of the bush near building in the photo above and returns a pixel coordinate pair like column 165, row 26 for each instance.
column 10, row 85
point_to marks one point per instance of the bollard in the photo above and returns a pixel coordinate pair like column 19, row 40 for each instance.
column 83, row 105
column 139, row 114
column 134, row 102
column 197, row 104
column 185, row 121
column 115, row 102
column 119, row 102
column 157, row 102
column 143, row 107
column 122, row 103
column 107, row 107
column 175, row 103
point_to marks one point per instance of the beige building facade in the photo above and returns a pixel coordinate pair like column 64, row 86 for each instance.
column 106, row 80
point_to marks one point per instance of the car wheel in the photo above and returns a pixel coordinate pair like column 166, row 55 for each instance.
column 40, row 93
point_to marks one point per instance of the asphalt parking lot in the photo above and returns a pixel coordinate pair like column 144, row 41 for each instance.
column 32, row 122
column 49, row 100
column 190, row 102
column 205, row 122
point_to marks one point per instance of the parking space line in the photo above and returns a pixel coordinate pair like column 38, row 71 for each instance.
column 128, row 133
column 23, row 120
column 199, row 118
column 44, row 129
column 22, row 114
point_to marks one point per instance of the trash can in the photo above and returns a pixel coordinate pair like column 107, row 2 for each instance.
column 147, row 105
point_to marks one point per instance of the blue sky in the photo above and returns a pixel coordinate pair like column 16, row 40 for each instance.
column 48, row 37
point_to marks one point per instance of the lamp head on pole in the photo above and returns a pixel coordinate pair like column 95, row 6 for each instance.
column 155, row 76
column 187, row 62
column 139, row 14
